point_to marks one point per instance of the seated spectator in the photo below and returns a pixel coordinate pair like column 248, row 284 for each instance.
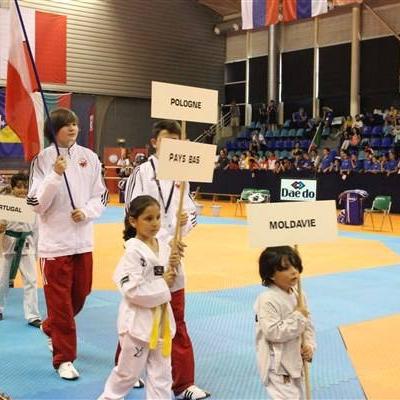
column 367, row 162
column 374, row 166
column 287, row 165
column 355, row 139
column 358, row 123
column 335, row 167
column 305, row 163
column 278, row 167
column 345, row 164
column 261, row 140
column 347, row 124
column 296, row 150
column 390, row 166
column 222, row 162
column 354, row 163
column 326, row 162
column 271, row 160
column 234, row 163
column 253, row 163
column 243, row 164
column 315, row 158
column 263, row 163
column 254, row 145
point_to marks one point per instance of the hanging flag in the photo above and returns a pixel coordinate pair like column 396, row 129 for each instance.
column 293, row 10
column 259, row 13
column 47, row 35
column 10, row 144
column 22, row 105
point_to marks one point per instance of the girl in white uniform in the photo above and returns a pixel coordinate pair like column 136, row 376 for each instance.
column 145, row 321
column 280, row 325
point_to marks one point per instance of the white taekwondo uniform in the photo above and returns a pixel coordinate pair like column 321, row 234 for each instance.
column 278, row 342
column 27, row 267
column 140, row 281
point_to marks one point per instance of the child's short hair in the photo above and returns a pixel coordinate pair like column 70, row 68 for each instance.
column 58, row 118
column 20, row 177
column 136, row 208
column 166, row 124
column 272, row 258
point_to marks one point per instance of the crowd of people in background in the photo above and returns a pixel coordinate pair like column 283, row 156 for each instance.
column 354, row 151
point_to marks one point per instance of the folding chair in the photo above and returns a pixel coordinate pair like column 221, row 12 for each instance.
column 380, row 205
column 244, row 198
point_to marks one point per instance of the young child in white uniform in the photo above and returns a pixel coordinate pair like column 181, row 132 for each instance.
column 280, row 324
column 145, row 321
column 19, row 246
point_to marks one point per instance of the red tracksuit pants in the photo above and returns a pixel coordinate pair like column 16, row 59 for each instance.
column 67, row 280
column 182, row 351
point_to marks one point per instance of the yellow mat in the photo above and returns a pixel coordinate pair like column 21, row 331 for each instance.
column 374, row 348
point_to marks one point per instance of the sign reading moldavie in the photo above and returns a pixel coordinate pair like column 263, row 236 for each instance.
column 181, row 160
column 15, row 209
column 183, row 103
column 299, row 189
column 279, row 224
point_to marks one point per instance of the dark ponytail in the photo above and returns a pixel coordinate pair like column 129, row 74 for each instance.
column 136, row 208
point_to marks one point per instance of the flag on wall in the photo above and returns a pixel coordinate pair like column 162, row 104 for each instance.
column 293, row 10
column 259, row 13
column 47, row 34
column 10, row 143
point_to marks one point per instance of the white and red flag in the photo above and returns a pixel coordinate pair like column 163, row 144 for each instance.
column 24, row 107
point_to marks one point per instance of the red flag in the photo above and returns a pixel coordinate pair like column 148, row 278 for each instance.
column 20, row 97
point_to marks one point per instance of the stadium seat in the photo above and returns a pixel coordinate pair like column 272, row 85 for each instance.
column 366, row 131
column 377, row 130
column 300, row 133
column 284, row 133
column 387, row 142
column 292, row 133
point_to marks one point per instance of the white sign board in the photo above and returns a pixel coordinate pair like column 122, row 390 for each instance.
column 15, row 209
column 181, row 160
column 184, row 103
column 298, row 189
column 278, row 224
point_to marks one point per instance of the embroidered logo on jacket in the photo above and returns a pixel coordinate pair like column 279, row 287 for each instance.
column 83, row 163
column 124, row 279
column 158, row 270
column 143, row 262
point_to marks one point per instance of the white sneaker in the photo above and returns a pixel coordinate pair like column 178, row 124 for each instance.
column 193, row 393
column 49, row 341
column 66, row 370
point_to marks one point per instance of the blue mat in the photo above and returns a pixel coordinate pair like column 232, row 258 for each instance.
column 221, row 324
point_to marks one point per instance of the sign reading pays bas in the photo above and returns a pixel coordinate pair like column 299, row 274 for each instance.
column 298, row 189
column 181, row 160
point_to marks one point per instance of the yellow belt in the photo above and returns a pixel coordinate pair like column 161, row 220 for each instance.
column 161, row 317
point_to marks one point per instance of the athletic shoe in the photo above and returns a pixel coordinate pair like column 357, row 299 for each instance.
column 49, row 341
column 139, row 384
column 11, row 283
column 193, row 393
column 1, row 316
column 36, row 323
column 67, row 371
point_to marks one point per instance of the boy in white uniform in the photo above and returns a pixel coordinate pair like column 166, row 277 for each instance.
column 144, row 181
column 65, row 232
column 19, row 252
column 280, row 324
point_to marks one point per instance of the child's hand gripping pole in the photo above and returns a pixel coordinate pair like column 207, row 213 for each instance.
column 300, row 303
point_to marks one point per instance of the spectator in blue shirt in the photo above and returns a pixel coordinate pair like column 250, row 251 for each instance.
column 345, row 164
column 375, row 166
column 390, row 166
column 326, row 162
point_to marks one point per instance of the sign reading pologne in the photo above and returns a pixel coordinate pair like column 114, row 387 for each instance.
column 184, row 103
column 280, row 224
column 181, row 160
column 15, row 209
column 298, row 189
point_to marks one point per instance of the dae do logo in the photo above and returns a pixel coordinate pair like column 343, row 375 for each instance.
column 299, row 189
